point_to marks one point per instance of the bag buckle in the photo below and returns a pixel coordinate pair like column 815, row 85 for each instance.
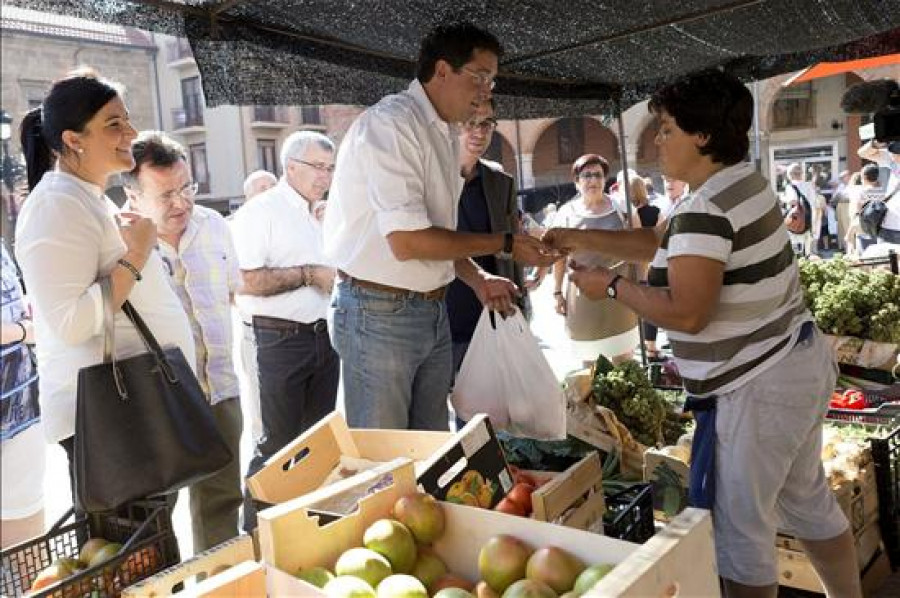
column 120, row 383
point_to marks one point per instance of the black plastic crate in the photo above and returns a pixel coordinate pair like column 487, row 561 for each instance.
column 629, row 514
column 886, row 457
column 149, row 545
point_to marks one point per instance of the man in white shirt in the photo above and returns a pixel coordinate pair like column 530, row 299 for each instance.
column 257, row 182
column 196, row 247
column 390, row 231
column 887, row 155
column 286, row 291
column 244, row 353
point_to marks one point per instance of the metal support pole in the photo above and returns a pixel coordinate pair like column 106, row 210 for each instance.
column 632, row 268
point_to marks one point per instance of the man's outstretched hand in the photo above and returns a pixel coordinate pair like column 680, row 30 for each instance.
column 531, row 252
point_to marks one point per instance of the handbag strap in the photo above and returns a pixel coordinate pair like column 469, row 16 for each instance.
column 109, row 336
column 109, row 326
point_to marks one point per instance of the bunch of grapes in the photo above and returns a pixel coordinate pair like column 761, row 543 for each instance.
column 626, row 390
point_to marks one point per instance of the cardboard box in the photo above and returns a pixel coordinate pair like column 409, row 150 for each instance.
column 863, row 353
column 795, row 570
column 670, row 477
column 680, row 560
column 573, row 498
column 466, row 467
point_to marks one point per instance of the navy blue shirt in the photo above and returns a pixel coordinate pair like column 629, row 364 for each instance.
column 463, row 306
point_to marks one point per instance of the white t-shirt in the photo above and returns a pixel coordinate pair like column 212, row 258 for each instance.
column 66, row 239
column 277, row 230
column 397, row 170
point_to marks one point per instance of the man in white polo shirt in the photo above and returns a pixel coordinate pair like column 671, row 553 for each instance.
column 390, row 229
column 286, row 290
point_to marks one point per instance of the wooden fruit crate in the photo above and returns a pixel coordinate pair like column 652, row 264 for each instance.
column 573, row 498
column 202, row 569
column 678, row 561
column 795, row 570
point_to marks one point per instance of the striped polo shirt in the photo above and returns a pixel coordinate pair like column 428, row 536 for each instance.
column 734, row 218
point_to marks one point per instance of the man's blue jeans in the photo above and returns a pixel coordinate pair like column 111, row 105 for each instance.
column 396, row 358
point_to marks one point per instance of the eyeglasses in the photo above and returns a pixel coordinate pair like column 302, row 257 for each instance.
column 486, row 125
column 188, row 192
column 319, row 167
column 480, row 79
column 591, row 175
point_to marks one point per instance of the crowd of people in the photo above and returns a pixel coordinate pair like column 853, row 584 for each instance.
column 381, row 286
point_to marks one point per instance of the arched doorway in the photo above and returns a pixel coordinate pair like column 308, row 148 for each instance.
column 561, row 143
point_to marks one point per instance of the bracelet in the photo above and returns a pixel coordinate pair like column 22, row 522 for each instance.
column 24, row 333
column 557, row 293
column 130, row 267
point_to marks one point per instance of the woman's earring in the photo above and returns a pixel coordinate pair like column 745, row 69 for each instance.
column 80, row 150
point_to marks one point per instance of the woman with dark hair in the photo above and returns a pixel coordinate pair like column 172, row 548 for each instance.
column 595, row 325
column 723, row 282
column 70, row 236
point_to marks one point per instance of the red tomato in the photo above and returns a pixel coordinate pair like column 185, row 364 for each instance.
column 510, row 507
column 525, row 478
column 521, row 495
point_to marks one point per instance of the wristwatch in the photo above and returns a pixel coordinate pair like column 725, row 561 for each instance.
column 507, row 252
column 611, row 287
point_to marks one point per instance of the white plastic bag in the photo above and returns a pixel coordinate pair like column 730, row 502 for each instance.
column 506, row 376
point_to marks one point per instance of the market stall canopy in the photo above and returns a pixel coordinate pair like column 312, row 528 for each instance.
column 827, row 69
column 563, row 57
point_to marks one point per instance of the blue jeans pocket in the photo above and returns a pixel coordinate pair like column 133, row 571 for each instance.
column 388, row 306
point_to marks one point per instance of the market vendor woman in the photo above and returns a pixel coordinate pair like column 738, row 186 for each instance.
column 723, row 283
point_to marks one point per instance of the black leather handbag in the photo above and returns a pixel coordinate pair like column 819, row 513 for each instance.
column 143, row 426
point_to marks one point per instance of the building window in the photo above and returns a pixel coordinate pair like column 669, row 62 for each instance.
column 192, row 98
column 266, row 156
column 793, row 109
column 310, row 115
column 199, row 168
column 570, row 139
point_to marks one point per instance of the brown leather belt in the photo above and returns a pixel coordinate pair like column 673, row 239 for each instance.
column 269, row 323
column 432, row 295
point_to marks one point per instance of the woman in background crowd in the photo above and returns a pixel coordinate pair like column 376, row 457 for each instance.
column 70, row 236
column 596, row 326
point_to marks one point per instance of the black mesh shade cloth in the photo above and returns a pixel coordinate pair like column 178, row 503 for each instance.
column 563, row 57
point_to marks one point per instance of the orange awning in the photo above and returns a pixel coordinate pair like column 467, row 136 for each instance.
column 827, row 69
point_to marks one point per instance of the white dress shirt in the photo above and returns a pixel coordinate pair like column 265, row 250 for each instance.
column 277, row 230
column 397, row 170
column 66, row 239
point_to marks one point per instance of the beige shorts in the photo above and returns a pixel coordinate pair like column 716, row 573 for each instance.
column 769, row 472
column 23, row 463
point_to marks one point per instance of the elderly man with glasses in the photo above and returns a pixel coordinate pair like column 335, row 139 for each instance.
column 195, row 244
column 286, row 294
column 390, row 229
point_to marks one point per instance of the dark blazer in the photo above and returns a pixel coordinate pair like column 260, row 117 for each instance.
column 500, row 194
